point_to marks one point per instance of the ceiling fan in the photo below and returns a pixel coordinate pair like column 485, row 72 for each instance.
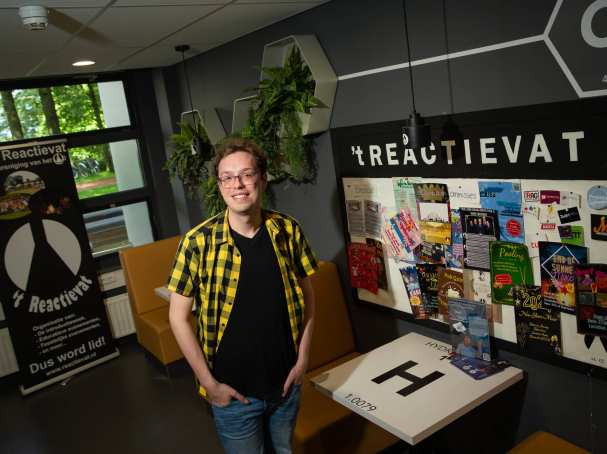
column 38, row 18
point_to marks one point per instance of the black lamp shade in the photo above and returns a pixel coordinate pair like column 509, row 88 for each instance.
column 417, row 131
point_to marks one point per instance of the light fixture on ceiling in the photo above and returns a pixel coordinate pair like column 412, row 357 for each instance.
column 416, row 130
column 83, row 63
column 192, row 116
column 34, row 17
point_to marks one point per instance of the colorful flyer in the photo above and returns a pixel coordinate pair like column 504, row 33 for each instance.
column 450, row 285
column 392, row 240
column 557, row 263
column 591, row 297
column 404, row 195
column 512, row 227
column 436, row 212
column 477, row 287
column 500, row 196
column 454, row 253
column 356, row 220
column 428, row 275
column 436, row 232
column 572, row 234
column 373, row 218
column 382, row 278
column 469, row 328
column 430, row 253
column 464, row 193
column 408, row 224
column 480, row 227
column 363, row 267
column 431, row 192
column 538, row 327
column 433, row 208
column 598, row 226
column 597, row 197
column 568, row 215
column 510, row 265
column 478, row 368
column 562, row 198
column 405, row 229
column 408, row 272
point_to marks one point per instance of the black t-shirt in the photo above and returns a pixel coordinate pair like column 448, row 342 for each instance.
column 256, row 351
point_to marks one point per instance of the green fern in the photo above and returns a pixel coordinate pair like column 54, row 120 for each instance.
column 274, row 122
column 190, row 168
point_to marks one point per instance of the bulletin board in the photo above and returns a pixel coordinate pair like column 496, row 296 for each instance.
column 553, row 156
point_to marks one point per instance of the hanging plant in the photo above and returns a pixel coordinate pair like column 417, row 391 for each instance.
column 192, row 150
column 274, row 124
column 275, row 120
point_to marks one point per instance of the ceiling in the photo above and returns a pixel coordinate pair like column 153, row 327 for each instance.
column 127, row 34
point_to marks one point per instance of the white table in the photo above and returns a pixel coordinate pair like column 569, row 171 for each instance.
column 163, row 293
column 414, row 414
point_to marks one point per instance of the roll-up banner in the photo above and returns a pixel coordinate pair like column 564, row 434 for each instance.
column 48, row 282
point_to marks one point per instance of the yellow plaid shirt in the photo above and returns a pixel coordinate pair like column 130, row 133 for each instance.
column 207, row 266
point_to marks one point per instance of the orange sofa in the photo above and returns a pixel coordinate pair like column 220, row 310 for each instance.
column 323, row 425
column 145, row 268
column 546, row 443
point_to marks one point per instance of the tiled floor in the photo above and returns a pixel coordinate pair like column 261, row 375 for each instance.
column 124, row 406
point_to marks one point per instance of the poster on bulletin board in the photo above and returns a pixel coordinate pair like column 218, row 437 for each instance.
column 527, row 182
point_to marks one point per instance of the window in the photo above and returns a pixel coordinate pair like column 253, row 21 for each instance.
column 106, row 168
column 105, row 153
column 31, row 113
column 115, row 228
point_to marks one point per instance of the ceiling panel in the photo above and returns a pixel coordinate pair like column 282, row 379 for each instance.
column 15, row 65
column 161, row 55
column 141, row 27
column 234, row 21
column 55, row 3
column 169, row 2
column 16, row 38
column 128, row 33
column 281, row 1
column 61, row 63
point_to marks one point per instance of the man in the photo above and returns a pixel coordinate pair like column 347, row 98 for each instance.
column 248, row 270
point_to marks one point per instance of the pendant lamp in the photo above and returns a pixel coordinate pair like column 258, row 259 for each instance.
column 192, row 116
column 416, row 129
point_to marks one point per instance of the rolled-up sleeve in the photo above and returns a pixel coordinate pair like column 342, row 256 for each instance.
column 305, row 262
column 184, row 275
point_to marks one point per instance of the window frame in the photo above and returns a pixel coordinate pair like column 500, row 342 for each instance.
column 114, row 134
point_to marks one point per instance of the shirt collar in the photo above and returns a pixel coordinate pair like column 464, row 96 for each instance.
column 221, row 230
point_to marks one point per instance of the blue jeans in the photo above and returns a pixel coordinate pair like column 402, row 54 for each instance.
column 242, row 428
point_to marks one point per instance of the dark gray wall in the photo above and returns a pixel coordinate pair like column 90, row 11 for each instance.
column 358, row 35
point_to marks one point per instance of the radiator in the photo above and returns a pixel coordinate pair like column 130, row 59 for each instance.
column 8, row 362
column 121, row 318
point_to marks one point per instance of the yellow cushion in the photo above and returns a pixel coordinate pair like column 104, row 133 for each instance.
column 333, row 336
column 145, row 268
column 155, row 334
column 546, row 443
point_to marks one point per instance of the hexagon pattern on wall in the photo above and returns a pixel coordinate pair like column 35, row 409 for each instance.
column 275, row 54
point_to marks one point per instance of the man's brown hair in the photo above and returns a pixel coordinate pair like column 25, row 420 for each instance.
column 234, row 144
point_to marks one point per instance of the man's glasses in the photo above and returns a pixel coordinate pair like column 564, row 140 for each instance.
column 231, row 181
